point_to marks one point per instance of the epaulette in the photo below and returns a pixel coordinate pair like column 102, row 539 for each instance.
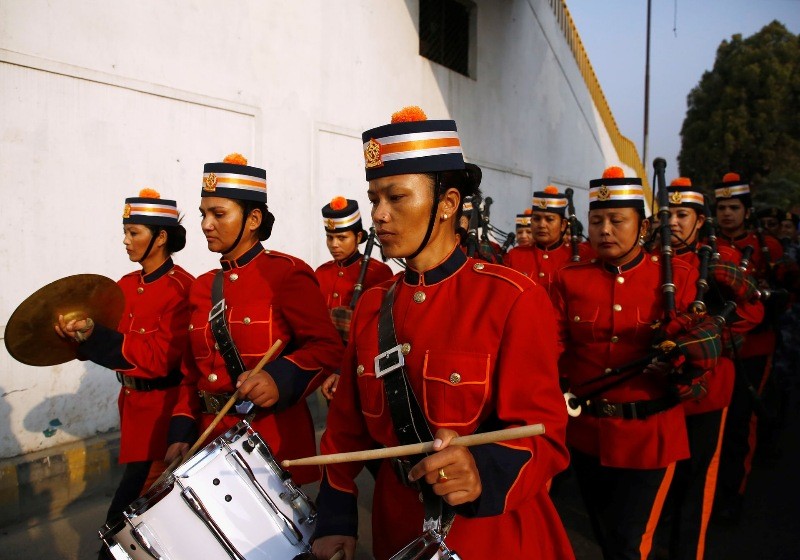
column 278, row 254
column 182, row 277
column 513, row 277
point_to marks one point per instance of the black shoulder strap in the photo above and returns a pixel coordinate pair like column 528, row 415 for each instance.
column 408, row 419
column 219, row 329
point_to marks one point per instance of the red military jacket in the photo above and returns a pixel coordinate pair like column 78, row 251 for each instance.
column 541, row 264
column 748, row 315
column 337, row 280
column 606, row 317
column 269, row 296
column 763, row 340
column 148, row 344
column 468, row 325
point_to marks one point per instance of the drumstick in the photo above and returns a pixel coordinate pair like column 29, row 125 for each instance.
column 417, row 448
column 338, row 556
column 218, row 418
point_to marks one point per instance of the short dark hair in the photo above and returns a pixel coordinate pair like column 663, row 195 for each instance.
column 467, row 181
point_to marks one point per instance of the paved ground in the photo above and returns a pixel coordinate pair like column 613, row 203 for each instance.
column 770, row 526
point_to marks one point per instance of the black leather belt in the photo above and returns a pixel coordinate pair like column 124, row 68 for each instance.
column 638, row 410
column 173, row 379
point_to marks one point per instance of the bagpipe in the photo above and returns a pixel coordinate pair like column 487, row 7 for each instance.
column 688, row 343
column 574, row 226
column 479, row 242
column 342, row 315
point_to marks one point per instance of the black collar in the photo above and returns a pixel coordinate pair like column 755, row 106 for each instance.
column 251, row 253
column 552, row 247
column 687, row 249
column 732, row 239
column 352, row 259
column 159, row 272
column 440, row 272
column 625, row 267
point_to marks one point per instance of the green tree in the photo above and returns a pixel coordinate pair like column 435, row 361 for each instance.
column 744, row 116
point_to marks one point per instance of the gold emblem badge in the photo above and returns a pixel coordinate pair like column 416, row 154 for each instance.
column 210, row 183
column 330, row 224
column 603, row 193
column 372, row 154
column 675, row 197
column 126, row 212
column 542, row 203
column 726, row 192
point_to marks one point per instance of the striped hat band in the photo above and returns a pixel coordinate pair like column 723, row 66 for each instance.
column 343, row 221
column 466, row 207
column 150, row 211
column 616, row 193
column 542, row 203
column 729, row 191
column 234, row 181
column 523, row 220
column 678, row 198
column 378, row 151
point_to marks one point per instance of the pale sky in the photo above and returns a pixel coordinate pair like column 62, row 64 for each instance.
column 681, row 49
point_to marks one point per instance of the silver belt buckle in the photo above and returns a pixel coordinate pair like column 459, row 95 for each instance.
column 397, row 361
column 216, row 310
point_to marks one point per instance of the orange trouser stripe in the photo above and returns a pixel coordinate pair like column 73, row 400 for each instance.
column 709, row 489
column 752, row 438
column 647, row 539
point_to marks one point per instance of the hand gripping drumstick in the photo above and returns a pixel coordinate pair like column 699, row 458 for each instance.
column 417, row 448
column 218, row 418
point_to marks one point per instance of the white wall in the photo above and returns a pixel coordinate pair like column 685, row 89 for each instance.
column 99, row 99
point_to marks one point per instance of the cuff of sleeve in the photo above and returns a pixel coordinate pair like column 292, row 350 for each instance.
column 182, row 429
column 291, row 381
column 499, row 467
column 104, row 347
column 337, row 512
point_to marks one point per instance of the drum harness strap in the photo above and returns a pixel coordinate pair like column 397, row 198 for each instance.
column 408, row 420
column 227, row 349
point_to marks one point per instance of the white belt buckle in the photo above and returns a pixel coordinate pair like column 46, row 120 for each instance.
column 394, row 353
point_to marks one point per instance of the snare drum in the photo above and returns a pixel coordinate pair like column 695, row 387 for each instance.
column 430, row 546
column 229, row 501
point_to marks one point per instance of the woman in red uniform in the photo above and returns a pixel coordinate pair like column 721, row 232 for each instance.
column 467, row 366
column 344, row 232
column 268, row 296
column 692, row 492
column 624, row 446
column 524, row 235
column 549, row 251
column 146, row 347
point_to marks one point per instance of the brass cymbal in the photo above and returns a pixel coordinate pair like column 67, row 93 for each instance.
column 30, row 334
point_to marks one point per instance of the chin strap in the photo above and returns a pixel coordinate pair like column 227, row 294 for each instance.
column 437, row 187
column 149, row 247
column 238, row 238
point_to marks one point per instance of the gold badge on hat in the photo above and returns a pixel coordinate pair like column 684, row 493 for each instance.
column 210, row 183
column 675, row 197
column 603, row 193
column 372, row 154
column 330, row 223
column 542, row 203
column 126, row 212
column 726, row 192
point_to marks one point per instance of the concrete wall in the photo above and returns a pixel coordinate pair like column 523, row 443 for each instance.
column 99, row 99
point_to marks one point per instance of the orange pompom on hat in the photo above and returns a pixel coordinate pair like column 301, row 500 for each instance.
column 233, row 178
column 549, row 200
column 614, row 190
column 733, row 186
column 411, row 143
column 149, row 209
column 681, row 193
column 342, row 214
